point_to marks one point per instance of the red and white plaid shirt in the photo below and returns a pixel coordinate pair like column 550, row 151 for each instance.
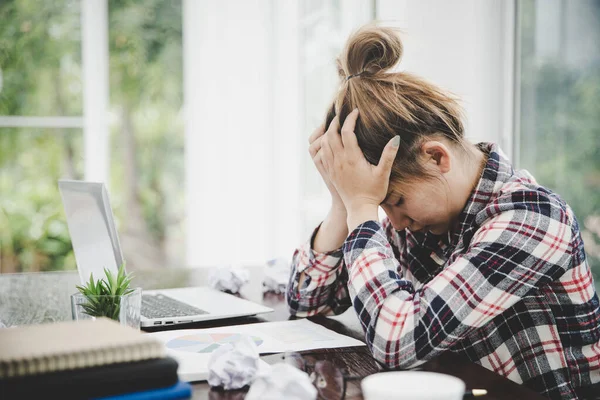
column 510, row 288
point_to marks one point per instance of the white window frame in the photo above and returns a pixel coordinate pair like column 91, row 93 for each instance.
column 94, row 122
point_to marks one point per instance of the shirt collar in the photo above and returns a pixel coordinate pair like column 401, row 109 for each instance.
column 496, row 171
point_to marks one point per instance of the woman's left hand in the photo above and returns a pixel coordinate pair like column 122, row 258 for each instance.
column 361, row 185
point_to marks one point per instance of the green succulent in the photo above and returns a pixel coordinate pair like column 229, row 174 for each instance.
column 103, row 295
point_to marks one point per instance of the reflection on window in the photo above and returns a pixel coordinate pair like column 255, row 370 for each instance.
column 147, row 160
column 559, row 135
column 33, row 233
column 40, row 58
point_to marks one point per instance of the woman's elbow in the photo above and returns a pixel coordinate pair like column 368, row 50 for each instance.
column 299, row 307
column 394, row 360
column 293, row 304
column 295, row 311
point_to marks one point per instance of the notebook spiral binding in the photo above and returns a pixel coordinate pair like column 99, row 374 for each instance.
column 39, row 364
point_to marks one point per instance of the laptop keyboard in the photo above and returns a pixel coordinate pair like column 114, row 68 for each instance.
column 161, row 306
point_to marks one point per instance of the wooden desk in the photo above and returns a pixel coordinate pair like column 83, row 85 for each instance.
column 358, row 361
column 44, row 297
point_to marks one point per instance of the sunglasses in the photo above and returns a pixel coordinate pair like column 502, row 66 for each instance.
column 331, row 380
column 327, row 378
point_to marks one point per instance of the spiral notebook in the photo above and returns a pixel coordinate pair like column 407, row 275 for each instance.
column 88, row 383
column 39, row 349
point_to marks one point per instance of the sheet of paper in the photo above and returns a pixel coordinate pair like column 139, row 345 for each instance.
column 192, row 347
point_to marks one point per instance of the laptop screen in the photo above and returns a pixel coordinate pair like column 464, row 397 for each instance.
column 91, row 227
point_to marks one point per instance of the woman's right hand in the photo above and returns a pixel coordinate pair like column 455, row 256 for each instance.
column 314, row 150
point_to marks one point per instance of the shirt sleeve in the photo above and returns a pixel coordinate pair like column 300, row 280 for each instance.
column 519, row 247
column 325, row 286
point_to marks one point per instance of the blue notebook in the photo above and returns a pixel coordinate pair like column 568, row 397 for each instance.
column 181, row 390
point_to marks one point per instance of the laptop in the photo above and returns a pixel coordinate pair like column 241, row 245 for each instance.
column 96, row 246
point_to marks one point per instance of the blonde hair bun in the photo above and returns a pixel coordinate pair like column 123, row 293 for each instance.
column 370, row 51
column 392, row 103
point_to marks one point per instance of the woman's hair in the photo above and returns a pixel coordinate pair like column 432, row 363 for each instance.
column 391, row 103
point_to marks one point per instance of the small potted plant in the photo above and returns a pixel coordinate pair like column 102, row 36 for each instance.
column 109, row 297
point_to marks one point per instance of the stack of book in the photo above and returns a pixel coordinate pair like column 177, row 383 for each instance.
column 86, row 360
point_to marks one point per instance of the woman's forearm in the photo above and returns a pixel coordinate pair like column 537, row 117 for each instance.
column 333, row 231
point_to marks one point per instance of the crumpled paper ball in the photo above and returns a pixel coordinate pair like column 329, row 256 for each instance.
column 283, row 381
column 277, row 275
column 228, row 278
column 234, row 365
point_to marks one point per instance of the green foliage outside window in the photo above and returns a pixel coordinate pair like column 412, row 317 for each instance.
column 560, row 116
column 40, row 75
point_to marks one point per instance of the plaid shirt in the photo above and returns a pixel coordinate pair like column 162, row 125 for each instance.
column 510, row 288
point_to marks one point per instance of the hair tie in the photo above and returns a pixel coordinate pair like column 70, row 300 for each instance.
column 353, row 76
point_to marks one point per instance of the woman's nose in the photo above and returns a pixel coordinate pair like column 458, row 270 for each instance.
column 399, row 222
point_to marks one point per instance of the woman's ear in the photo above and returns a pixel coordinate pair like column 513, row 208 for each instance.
column 437, row 154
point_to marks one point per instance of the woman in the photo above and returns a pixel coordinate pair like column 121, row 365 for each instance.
column 473, row 257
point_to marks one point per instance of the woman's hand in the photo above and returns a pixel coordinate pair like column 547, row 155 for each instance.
column 316, row 154
column 361, row 185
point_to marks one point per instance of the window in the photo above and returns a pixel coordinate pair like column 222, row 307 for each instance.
column 558, row 139
column 40, row 130
column 146, row 139
column 94, row 90
column 40, row 58
column 34, row 235
column 42, row 88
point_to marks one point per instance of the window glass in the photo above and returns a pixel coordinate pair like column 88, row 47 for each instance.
column 33, row 229
column 147, row 140
column 559, row 106
column 40, row 58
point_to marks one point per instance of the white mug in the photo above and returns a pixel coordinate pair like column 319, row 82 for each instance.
column 413, row 385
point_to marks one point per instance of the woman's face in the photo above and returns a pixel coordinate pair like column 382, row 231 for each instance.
column 434, row 203
column 425, row 207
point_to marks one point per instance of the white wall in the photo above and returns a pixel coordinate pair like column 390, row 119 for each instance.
column 246, row 139
column 465, row 46
column 228, row 130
